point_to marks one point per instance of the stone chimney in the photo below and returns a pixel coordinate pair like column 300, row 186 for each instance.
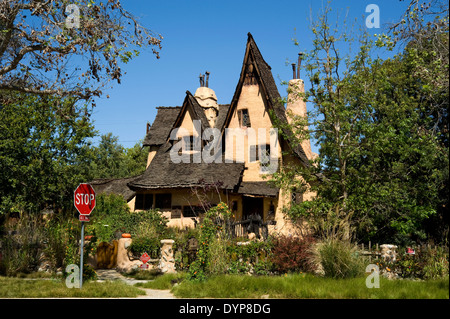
column 207, row 99
column 297, row 106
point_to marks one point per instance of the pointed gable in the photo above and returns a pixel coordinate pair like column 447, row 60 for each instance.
column 196, row 112
column 255, row 70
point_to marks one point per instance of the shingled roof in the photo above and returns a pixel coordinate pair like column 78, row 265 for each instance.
column 162, row 125
column 258, row 189
column 223, row 110
column 163, row 173
column 114, row 186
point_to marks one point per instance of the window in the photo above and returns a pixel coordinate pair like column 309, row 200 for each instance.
column 244, row 118
column 143, row 201
column 296, row 196
column 253, row 153
column 188, row 143
column 176, row 212
column 264, row 157
column 260, row 153
column 163, row 201
column 192, row 211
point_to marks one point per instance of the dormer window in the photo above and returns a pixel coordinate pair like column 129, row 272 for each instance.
column 244, row 118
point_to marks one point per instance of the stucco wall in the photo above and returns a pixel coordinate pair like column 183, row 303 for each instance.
column 252, row 100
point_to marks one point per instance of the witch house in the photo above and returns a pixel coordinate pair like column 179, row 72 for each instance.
column 203, row 151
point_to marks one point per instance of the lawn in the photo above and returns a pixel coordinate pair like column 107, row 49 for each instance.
column 56, row 288
column 301, row 286
column 297, row 286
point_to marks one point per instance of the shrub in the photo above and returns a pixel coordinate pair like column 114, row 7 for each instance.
column 211, row 228
column 436, row 264
column 254, row 257
column 148, row 230
column 113, row 217
column 339, row 259
column 22, row 249
column 292, row 254
column 431, row 263
column 148, row 245
column 62, row 235
column 218, row 258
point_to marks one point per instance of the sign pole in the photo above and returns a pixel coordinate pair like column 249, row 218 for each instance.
column 81, row 256
column 84, row 201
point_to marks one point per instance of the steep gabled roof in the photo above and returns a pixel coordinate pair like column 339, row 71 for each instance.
column 162, row 125
column 168, row 118
column 264, row 77
column 223, row 111
column 199, row 114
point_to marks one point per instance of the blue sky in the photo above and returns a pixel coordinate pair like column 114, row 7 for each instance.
column 211, row 35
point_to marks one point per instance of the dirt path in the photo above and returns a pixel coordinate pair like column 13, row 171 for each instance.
column 112, row 274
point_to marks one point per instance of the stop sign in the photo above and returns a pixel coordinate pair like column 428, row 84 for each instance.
column 84, row 198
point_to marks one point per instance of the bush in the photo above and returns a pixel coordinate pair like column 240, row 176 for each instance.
column 436, row 263
column 22, row 249
column 218, row 258
column 62, row 235
column 148, row 230
column 253, row 258
column 110, row 217
column 339, row 259
column 431, row 263
column 211, row 229
column 113, row 217
column 148, row 245
column 292, row 254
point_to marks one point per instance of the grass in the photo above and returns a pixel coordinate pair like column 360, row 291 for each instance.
column 233, row 286
column 163, row 281
column 22, row 288
column 302, row 286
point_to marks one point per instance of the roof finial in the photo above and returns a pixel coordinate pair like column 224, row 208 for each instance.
column 202, row 80
column 300, row 57
column 207, row 78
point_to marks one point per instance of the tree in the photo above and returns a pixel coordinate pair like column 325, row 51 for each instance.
column 45, row 51
column 424, row 31
column 112, row 160
column 136, row 159
column 109, row 155
column 44, row 152
column 384, row 162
